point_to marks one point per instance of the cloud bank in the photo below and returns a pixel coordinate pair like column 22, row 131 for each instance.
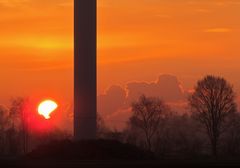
column 114, row 104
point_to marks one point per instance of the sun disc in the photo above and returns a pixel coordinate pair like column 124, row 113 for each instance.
column 46, row 107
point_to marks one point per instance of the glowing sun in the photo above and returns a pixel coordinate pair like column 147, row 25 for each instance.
column 46, row 107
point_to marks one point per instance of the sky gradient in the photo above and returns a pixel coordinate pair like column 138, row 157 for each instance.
column 138, row 40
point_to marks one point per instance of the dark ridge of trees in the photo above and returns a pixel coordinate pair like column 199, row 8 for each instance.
column 212, row 102
column 89, row 150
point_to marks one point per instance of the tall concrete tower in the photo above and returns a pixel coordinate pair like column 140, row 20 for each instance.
column 84, row 69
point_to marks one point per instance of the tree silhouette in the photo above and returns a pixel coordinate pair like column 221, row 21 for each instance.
column 231, row 137
column 17, row 131
column 147, row 115
column 102, row 129
column 212, row 101
column 3, row 127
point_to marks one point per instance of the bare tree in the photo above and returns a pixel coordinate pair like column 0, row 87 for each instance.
column 147, row 115
column 212, row 101
column 17, row 119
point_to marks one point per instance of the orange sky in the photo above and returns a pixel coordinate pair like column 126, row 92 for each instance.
column 140, row 39
column 137, row 40
column 36, row 48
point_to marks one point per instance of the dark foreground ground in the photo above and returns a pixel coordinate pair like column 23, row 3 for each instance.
column 102, row 154
column 118, row 164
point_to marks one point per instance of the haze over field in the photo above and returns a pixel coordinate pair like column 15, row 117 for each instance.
column 138, row 42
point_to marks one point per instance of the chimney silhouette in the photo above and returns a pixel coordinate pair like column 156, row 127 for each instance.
column 84, row 69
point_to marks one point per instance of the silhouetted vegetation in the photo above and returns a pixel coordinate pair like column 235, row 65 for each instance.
column 102, row 129
column 12, row 133
column 148, row 116
column 212, row 102
column 211, row 127
column 178, row 136
column 15, row 138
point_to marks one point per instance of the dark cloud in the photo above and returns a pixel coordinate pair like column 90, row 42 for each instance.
column 113, row 100
column 114, row 104
column 167, row 88
column 118, row 119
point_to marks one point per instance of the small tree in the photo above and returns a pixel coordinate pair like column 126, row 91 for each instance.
column 17, row 121
column 3, row 127
column 102, row 129
column 212, row 101
column 147, row 115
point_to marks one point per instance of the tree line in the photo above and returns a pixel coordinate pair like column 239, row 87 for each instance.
column 211, row 128
column 15, row 138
